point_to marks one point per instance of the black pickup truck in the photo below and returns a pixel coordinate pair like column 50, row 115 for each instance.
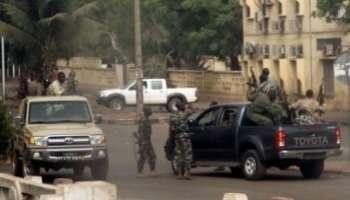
column 223, row 136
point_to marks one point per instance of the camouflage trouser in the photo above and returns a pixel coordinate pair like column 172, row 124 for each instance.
column 146, row 153
column 183, row 153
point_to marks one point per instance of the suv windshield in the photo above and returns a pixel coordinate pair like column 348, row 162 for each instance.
column 59, row 112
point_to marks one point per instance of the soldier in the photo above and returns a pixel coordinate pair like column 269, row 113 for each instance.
column 146, row 149
column 22, row 91
column 307, row 109
column 183, row 146
column 71, row 84
column 264, row 75
column 265, row 109
column 308, row 103
column 56, row 88
column 34, row 86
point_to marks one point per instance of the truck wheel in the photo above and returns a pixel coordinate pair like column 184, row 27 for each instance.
column 116, row 104
column 252, row 167
column 312, row 169
column 172, row 103
column 174, row 167
column 99, row 170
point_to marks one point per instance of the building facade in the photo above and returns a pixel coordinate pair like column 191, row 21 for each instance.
column 297, row 46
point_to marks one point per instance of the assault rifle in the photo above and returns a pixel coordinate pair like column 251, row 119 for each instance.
column 252, row 82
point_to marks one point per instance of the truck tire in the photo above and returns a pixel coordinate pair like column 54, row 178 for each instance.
column 172, row 103
column 116, row 104
column 312, row 169
column 99, row 169
column 252, row 166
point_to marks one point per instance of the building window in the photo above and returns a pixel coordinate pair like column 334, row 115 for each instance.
column 280, row 8
column 247, row 11
column 297, row 7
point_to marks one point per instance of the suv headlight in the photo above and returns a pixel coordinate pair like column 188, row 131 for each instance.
column 98, row 139
column 38, row 141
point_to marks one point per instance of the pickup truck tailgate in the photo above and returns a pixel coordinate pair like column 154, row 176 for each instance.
column 311, row 137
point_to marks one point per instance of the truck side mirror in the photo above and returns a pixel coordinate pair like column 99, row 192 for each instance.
column 98, row 119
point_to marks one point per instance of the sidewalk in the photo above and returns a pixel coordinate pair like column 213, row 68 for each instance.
column 337, row 167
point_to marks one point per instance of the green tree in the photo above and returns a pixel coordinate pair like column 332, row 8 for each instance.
column 334, row 10
column 203, row 27
column 43, row 30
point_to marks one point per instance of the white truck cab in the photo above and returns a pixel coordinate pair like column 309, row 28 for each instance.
column 156, row 92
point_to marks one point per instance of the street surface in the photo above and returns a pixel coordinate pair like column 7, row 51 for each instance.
column 206, row 184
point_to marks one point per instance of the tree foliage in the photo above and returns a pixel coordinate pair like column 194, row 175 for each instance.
column 334, row 10
column 40, row 31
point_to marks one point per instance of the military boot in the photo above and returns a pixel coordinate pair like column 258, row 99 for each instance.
column 180, row 174
column 187, row 174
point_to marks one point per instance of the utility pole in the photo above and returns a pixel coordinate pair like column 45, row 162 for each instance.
column 3, row 68
column 138, row 60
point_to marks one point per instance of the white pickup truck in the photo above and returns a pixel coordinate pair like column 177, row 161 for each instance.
column 156, row 92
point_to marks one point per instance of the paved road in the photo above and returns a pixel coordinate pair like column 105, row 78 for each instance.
column 206, row 184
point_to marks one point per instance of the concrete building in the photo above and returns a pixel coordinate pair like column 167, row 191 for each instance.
column 298, row 47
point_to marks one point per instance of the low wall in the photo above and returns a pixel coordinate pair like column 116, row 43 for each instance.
column 213, row 85
column 14, row 188
column 90, row 71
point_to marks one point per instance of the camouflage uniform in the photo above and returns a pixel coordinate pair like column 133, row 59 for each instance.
column 183, row 146
column 146, row 150
column 306, row 111
column 263, row 111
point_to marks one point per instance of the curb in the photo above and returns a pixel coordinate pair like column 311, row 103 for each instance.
column 331, row 170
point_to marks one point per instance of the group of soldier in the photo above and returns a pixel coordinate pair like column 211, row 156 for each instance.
column 179, row 137
column 269, row 104
column 269, row 107
column 56, row 84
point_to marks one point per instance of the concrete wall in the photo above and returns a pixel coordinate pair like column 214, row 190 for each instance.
column 213, row 85
column 89, row 71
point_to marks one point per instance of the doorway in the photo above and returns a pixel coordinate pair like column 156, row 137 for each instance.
column 328, row 78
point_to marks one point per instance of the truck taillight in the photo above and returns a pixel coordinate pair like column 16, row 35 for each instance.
column 338, row 135
column 280, row 139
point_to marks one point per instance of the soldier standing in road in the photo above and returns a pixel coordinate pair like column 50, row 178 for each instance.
column 183, row 146
column 146, row 150
column 72, row 84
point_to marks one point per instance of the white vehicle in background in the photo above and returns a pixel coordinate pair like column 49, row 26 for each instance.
column 156, row 92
